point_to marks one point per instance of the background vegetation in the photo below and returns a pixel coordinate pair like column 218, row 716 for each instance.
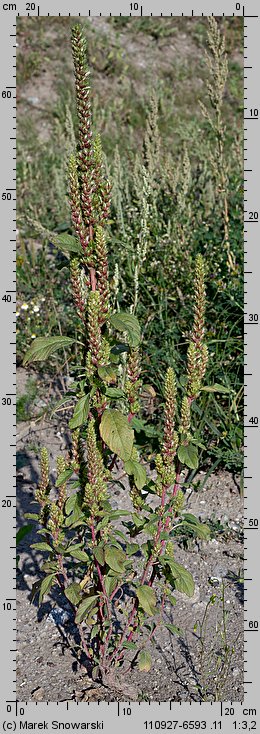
column 169, row 188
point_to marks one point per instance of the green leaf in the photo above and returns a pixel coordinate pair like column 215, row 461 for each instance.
column 147, row 599
column 84, row 608
column 31, row 516
column 108, row 373
column 43, row 347
column 197, row 527
column 133, row 467
column 124, row 321
column 144, row 661
column 66, row 243
column 50, row 567
column 114, row 392
column 63, row 477
column 117, row 434
column 41, row 546
column 73, row 509
column 139, row 425
column 24, row 531
column 80, row 412
column 70, row 503
column 73, row 593
column 137, row 520
column 129, row 645
column 94, row 631
column 46, row 585
column 183, row 580
column 80, row 555
column 175, row 630
column 115, row 558
column 216, row 388
column 132, row 548
column 188, row 455
column 63, row 401
column 98, row 552
column 110, row 583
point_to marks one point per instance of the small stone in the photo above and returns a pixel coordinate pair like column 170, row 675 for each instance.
column 33, row 100
column 38, row 694
column 235, row 672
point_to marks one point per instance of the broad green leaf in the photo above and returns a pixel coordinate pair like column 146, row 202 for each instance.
column 188, row 455
column 94, row 631
column 41, row 546
column 98, row 552
column 114, row 514
column 116, row 433
column 115, row 558
column 84, row 608
column 129, row 645
column 73, row 509
column 199, row 528
column 66, row 243
column 63, row 477
column 140, row 425
column 124, row 321
column 133, row 467
column 73, row 593
column 137, row 520
column 132, row 548
column 50, row 566
column 114, row 392
column 80, row 555
column 172, row 599
column 174, row 630
column 215, row 388
column 46, row 585
column 24, row 531
column 43, row 347
column 108, row 373
column 110, row 584
column 147, row 599
column 70, row 503
column 80, row 412
column 183, row 580
column 144, row 661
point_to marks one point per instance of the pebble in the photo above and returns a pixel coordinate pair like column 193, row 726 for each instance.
column 33, row 100
column 235, row 672
column 38, row 694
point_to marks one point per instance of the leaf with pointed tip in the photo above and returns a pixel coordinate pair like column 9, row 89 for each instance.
column 73, row 593
column 116, row 433
column 144, row 661
column 147, row 599
column 44, row 346
column 215, row 388
column 124, row 321
column 115, row 558
column 135, row 468
column 85, row 607
column 188, row 455
column 174, row 630
column 46, row 585
column 80, row 412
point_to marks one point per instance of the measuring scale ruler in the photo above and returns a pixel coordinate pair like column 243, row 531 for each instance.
column 144, row 716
